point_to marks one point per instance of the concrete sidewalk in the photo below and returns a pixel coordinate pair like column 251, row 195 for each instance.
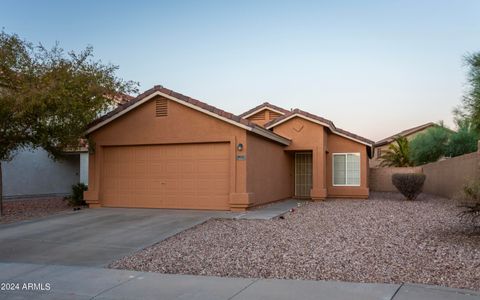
column 67, row 282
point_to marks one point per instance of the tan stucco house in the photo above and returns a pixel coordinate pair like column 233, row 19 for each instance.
column 382, row 145
column 166, row 150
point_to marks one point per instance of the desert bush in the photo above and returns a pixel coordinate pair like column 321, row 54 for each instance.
column 430, row 145
column 409, row 184
column 464, row 141
column 470, row 201
column 76, row 198
column 398, row 154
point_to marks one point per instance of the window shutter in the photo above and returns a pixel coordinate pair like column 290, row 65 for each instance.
column 161, row 108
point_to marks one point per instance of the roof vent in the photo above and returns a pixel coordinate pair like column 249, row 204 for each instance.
column 274, row 115
column 161, row 108
column 258, row 116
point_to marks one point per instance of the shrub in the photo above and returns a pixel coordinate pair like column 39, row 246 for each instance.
column 409, row 184
column 398, row 154
column 430, row 145
column 463, row 141
column 76, row 199
column 470, row 198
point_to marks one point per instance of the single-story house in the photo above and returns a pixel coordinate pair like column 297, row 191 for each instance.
column 382, row 145
column 166, row 150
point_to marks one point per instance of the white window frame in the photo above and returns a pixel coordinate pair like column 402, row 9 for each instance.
column 346, row 171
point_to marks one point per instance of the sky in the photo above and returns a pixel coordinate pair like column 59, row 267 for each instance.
column 372, row 67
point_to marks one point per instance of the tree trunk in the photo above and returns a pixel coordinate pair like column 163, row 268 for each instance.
column 1, row 191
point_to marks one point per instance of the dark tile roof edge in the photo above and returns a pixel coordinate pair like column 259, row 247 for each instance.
column 264, row 105
column 405, row 132
column 191, row 101
column 329, row 123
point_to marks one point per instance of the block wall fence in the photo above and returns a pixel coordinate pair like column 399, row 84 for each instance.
column 444, row 178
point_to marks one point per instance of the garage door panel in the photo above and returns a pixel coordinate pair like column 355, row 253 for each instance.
column 139, row 170
column 212, row 167
column 205, row 202
column 157, row 170
column 187, row 185
column 211, row 187
column 187, row 168
column 167, row 176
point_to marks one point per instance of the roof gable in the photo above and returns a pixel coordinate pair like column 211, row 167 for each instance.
column 405, row 133
column 319, row 120
column 189, row 102
column 264, row 106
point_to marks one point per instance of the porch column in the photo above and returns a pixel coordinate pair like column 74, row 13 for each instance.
column 239, row 198
column 319, row 172
column 91, row 196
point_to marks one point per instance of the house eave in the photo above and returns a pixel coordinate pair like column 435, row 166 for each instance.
column 334, row 130
column 263, row 108
column 256, row 130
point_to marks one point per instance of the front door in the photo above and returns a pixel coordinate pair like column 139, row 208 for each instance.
column 303, row 174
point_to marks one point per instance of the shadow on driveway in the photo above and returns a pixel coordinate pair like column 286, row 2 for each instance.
column 94, row 237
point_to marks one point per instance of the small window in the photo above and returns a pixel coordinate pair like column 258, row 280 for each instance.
column 346, row 169
column 379, row 153
column 161, row 108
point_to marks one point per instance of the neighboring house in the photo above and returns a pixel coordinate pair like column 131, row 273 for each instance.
column 33, row 173
column 166, row 150
column 382, row 145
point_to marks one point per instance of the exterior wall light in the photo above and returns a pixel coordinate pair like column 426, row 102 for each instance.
column 240, row 147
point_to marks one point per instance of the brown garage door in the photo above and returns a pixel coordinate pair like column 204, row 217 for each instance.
column 192, row 176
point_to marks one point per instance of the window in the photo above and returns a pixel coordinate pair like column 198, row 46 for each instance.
column 379, row 153
column 346, row 169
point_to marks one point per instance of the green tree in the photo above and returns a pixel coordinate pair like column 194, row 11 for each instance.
column 429, row 146
column 470, row 108
column 398, row 154
column 465, row 140
column 48, row 96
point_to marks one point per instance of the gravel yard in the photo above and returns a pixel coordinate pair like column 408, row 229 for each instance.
column 30, row 208
column 383, row 239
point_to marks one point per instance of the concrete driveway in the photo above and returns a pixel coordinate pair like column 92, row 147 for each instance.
column 93, row 237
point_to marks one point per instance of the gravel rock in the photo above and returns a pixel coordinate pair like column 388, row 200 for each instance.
column 384, row 239
column 30, row 208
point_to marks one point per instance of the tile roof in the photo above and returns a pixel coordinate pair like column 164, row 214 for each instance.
column 158, row 88
column 176, row 95
column 405, row 132
column 329, row 123
column 121, row 98
column 237, row 119
column 264, row 105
